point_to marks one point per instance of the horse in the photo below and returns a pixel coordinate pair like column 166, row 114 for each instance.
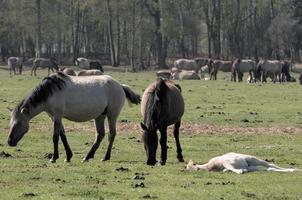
column 90, row 72
column 85, row 63
column 68, row 71
column 241, row 66
column 238, row 163
column 162, row 105
column 49, row 63
column 164, row 74
column 269, row 68
column 77, row 99
column 224, row 66
column 285, row 75
column 201, row 61
column 185, row 75
column 187, row 64
column 13, row 63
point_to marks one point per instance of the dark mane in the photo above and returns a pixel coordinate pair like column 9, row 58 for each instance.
column 44, row 90
column 153, row 105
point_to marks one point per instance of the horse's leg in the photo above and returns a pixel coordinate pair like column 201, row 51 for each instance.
column 178, row 147
column 65, row 143
column 111, row 136
column 163, row 144
column 55, row 138
column 251, row 76
column 99, row 135
column 20, row 69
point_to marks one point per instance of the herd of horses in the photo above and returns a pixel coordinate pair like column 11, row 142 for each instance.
column 83, row 98
column 16, row 63
column 190, row 69
column 92, row 97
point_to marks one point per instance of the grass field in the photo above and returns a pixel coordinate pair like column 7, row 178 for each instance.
column 258, row 119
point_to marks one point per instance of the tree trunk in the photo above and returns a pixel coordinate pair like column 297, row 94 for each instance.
column 132, row 56
column 38, row 29
column 118, row 43
column 216, row 28
column 77, row 32
column 59, row 37
column 155, row 13
column 110, row 35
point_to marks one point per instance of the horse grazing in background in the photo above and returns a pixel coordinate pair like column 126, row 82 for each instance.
column 185, row 75
column 49, row 63
column 186, row 64
column 162, row 105
column 241, row 66
column 67, row 71
column 269, row 68
column 238, row 163
column 224, row 66
column 85, row 63
column 90, row 72
column 13, row 63
column 78, row 99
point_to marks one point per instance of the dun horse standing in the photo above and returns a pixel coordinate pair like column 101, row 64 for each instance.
column 162, row 105
column 77, row 99
column 49, row 63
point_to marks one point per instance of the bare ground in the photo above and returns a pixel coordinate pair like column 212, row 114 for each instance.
column 186, row 128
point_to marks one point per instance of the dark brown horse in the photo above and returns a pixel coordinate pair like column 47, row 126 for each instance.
column 162, row 105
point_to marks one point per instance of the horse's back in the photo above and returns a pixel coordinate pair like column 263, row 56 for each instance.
column 244, row 65
column 272, row 66
column 86, row 98
column 173, row 100
column 186, row 64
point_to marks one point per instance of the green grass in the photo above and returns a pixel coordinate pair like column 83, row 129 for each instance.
column 219, row 103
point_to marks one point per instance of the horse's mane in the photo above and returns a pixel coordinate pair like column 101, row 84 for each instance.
column 44, row 90
column 153, row 105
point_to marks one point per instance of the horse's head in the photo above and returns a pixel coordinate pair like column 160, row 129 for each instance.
column 19, row 125
column 150, row 144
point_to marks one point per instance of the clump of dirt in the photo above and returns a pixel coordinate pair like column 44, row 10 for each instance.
column 3, row 154
column 148, row 196
column 248, row 194
column 29, row 194
column 138, row 176
column 48, row 155
column 245, row 120
column 138, row 185
column 122, row 169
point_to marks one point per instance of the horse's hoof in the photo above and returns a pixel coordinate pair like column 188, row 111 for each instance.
column 52, row 161
column 67, row 160
column 105, row 159
column 162, row 162
column 181, row 159
column 85, row 160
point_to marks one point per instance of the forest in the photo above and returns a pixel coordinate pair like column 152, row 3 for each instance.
column 141, row 33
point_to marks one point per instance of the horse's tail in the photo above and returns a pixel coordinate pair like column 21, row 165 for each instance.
column 130, row 95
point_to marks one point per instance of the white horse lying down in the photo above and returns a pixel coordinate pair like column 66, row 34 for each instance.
column 238, row 163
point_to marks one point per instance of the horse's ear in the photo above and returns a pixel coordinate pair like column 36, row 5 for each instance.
column 144, row 127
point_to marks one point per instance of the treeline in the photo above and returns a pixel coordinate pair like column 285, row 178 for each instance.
column 145, row 32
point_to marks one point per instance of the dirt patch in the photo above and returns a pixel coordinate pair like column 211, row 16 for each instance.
column 122, row 169
column 4, row 155
column 186, row 128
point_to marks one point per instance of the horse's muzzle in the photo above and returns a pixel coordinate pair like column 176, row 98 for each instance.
column 11, row 142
